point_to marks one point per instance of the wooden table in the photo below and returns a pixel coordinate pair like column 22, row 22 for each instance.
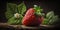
column 22, row 27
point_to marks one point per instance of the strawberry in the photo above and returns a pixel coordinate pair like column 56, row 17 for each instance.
column 31, row 18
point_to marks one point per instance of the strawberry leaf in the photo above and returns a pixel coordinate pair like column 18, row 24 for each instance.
column 49, row 15
column 11, row 9
column 14, row 20
column 21, row 8
column 54, row 19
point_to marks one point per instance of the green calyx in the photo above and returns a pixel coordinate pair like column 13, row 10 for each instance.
column 38, row 10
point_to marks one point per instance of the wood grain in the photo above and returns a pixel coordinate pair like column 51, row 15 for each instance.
column 5, row 25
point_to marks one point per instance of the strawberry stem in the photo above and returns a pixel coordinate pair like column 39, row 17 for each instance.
column 38, row 10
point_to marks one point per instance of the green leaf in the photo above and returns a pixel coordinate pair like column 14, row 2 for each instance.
column 20, row 20
column 38, row 10
column 54, row 19
column 11, row 9
column 21, row 8
column 14, row 20
column 49, row 15
column 45, row 21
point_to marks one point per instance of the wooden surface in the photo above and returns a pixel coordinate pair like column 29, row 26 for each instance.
column 5, row 25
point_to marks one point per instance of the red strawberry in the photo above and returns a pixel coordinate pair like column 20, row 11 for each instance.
column 31, row 19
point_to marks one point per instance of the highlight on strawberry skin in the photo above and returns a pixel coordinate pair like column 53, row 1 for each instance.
column 32, row 18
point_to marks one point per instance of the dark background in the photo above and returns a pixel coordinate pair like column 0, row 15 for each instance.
column 45, row 4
